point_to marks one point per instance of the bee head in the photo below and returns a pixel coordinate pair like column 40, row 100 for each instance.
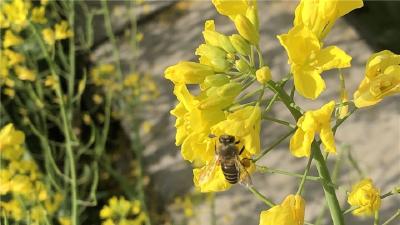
column 226, row 139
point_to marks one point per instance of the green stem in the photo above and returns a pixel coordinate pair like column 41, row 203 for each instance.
column 330, row 194
column 279, row 121
column 264, row 169
column 269, row 106
column 303, row 179
column 261, row 197
column 71, row 77
column 290, row 105
column 110, row 34
column 349, row 210
column 397, row 214
column 376, row 217
column 276, row 143
column 68, row 140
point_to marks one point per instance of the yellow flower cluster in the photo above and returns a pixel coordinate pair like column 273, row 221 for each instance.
column 16, row 16
column 205, row 113
column 120, row 211
column 366, row 197
column 143, row 87
column 23, row 191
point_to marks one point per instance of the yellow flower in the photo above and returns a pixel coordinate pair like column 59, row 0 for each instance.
column 263, row 75
column 365, row 196
column 215, row 183
column 24, row 73
column 317, row 121
column 308, row 60
column 10, row 39
column 48, row 36
column 231, row 8
column 97, row 99
column 320, row 15
column 13, row 57
column 119, row 210
column 188, row 73
column 62, row 30
column 382, row 78
column 64, row 220
column 244, row 124
column 131, row 80
column 17, row 13
column 51, row 81
column 13, row 209
column 37, row 214
column 44, row 2
column 10, row 137
column 289, row 212
column 39, row 15
column 9, row 92
column 4, row 23
column 193, row 125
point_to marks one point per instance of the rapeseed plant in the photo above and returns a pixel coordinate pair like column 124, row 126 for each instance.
column 227, row 67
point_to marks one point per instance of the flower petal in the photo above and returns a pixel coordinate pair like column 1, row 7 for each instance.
column 299, row 43
column 308, row 82
column 217, row 181
column 332, row 57
column 328, row 139
column 300, row 143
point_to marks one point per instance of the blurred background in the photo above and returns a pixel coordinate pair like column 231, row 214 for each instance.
column 139, row 159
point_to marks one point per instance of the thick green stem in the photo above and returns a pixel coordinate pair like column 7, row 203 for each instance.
column 330, row 194
column 376, row 217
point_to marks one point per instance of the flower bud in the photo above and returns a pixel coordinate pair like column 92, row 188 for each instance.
column 230, row 90
column 210, row 51
column 263, row 74
column 220, row 64
column 247, row 29
column 226, row 44
column 240, row 44
column 215, row 102
column 216, row 80
column 242, row 66
column 188, row 73
column 252, row 15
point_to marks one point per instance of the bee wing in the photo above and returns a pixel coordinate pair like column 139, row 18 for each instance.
column 209, row 170
column 244, row 178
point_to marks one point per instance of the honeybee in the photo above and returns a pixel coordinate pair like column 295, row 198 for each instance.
column 227, row 155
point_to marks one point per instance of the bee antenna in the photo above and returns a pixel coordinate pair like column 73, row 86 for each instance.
column 212, row 136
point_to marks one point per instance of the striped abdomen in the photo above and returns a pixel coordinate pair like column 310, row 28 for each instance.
column 230, row 171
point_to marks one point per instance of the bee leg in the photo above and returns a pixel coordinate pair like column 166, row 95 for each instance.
column 241, row 150
column 237, row 142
